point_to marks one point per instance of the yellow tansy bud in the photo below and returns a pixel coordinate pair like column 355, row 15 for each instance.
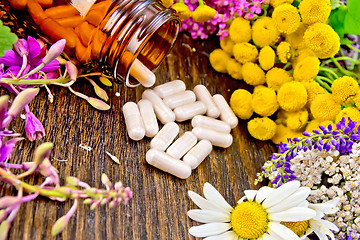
column 296, row 39
column 234, row 69
column 227, row 45
column 313, row 89
column 276, row 3
column 240, row 102
column 314, row 11
column 344, row 89
column 203, row 13
column 324, row 107
column 265, row 32
column 276, row 77
column 245, row 52
column 240, row 30
column 349, row 112
column 253, row 74
column 284, row 133
column 284, row 52
column 218, row 60
column 312, row 125
column 322, row 40
column 264, row 101
column 262, row 128
column 297, row 120
column 266, row 58
column 301, row 54
column 182, row 10
column 292, row 96
column 287, row 18
column 307, row 69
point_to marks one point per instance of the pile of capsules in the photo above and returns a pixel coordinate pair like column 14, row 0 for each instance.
column 171, row 102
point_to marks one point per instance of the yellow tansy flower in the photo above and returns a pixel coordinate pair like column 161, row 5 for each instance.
column 307, row 69
column 297, row 120
column 276, row 3
column 218, row 60
column 227, row 45
column 240, row 103
column 203, row 13
column 301, row 54
column 245, row 52
column 349, row 112
column 344, row 89
column 283, row 133
column 287, row 18
column 264, row 101
column 262, row 128
column 182, row 10
column 313, row 89
column 315, row 11
column 322, row 40
column 234, row 69
column 324, row 107
column 284, row 52
column 276, row 77
column 266, row 58
column 292, row 96
column 296, row 39
column 312, row 125
column 253, row 74
column 265, row 32
column 357, row 100
column 240, row 30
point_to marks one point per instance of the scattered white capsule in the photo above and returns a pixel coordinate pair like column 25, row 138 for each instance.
column 188, row 111
column 149, row 118
column 168, row 164
column 165, row 136
column 163, row 112
column 133, row 121
column 226, row 114
column 203, row 94
column 216, row 138
column 198, row 154
column 182, row 145
column 212, row 123
column 179, row 99
column 141, row 73
column 170, row 88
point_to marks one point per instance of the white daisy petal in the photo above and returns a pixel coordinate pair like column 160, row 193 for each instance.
column 263, row 193
column 293, row 215
column 229, row 235
column 214, row 196
column 291, row 201
column 250, row 194
column 266, row 236
column 208, row 216
column 241, row 199
column 281, row 193
column 320, row 235
column 201, row 202
column 329, row 225
column 209, row 229
column 286, row 233
column 327, row 207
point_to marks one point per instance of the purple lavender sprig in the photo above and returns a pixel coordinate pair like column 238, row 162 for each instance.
column 341, row 139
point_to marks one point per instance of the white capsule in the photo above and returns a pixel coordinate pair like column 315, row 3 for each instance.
column 216, row 138
column 226, row 114
column 203, row 94
column 149, row 118
column 141, row 73
column 179, row 99
column 183, row 144
column 188, row 111
column 198, row 154
column 163, row 112
column 133, row 121
column 212, row 123
column 168, row 164
column 165, row 136
column 170, row 88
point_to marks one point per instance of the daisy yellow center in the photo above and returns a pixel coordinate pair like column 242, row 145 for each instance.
column 249, row 220
column 299, row 228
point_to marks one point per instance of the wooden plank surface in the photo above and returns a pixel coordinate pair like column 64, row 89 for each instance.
column 158, row 209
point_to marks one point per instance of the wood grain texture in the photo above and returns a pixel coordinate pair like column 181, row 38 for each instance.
column 160, row 203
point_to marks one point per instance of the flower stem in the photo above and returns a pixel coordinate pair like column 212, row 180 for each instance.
column 326, row 69
column 342, row 70
column 320, row 79
column 33, row 81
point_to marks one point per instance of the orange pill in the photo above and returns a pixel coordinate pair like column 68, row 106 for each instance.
column 97, row 43
column 18, row 4
column 83, row 54
column 36, row 12
column 97, row 12
column 45, row 3
column 72, row 21
column 84, row 31
column 56, row 32
column 61, row 11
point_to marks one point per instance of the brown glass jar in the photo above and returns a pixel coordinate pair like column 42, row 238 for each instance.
column 128, row 37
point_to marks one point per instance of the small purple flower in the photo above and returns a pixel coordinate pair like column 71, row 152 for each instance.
column 33, row 127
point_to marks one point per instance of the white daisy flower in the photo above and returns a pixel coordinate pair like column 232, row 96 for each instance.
column 256, row 216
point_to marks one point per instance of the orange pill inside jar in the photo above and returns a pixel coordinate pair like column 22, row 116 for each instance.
column 123, row 36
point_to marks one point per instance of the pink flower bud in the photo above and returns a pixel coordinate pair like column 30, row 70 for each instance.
column 59, row 225
column 21, row 47
column 4, row 229
column 98, row 104
column 33, row 127
column 21, row 100
column 42, row 152
column 9, row 201
column 72, row 70
column 55, row 50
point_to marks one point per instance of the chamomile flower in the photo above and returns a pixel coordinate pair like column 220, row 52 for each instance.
column 256, row 216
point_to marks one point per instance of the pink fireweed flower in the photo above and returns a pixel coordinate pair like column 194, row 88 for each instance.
column 33, row 127
column 256, row 8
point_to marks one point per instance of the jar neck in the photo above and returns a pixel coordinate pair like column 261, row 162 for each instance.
column 142, row 31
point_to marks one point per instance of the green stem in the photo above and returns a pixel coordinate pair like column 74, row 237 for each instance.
column 287, row 65
column 34, row 81
column 353, row 48
column 339, row 59
column 325, row 69
column 324, row 85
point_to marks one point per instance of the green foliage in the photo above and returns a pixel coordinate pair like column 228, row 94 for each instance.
column 346, row 19
column 7, row 39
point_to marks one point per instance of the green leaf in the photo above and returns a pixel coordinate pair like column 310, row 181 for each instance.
column 7, row 39
column 354, row 8
column 346, row 41
column 351, row 24
column 336, row 20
